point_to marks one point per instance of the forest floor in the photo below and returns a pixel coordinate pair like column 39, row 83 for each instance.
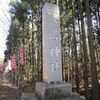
column 10, row 92
column 7, row 91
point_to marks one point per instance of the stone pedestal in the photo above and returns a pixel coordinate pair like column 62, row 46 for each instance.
column 57, row 91
column 52, row 91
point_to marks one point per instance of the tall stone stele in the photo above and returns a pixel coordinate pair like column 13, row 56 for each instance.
column 52, row 87
column 52, row 64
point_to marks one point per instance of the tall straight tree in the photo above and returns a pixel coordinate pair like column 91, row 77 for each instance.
column 92, row 51
column 75, row 49
column 85, row 53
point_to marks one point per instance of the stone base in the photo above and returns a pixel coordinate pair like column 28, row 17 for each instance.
column 28, row 96
column 57, row 91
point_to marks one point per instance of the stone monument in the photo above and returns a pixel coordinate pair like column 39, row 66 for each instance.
column 52, row 87
column 52, row 66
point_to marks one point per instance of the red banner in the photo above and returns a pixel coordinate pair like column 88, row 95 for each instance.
column 22, row 56
column 13, row 62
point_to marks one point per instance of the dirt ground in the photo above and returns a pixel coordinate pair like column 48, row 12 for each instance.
column 8, row 92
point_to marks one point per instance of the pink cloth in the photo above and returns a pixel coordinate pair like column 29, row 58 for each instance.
column 8, row 67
